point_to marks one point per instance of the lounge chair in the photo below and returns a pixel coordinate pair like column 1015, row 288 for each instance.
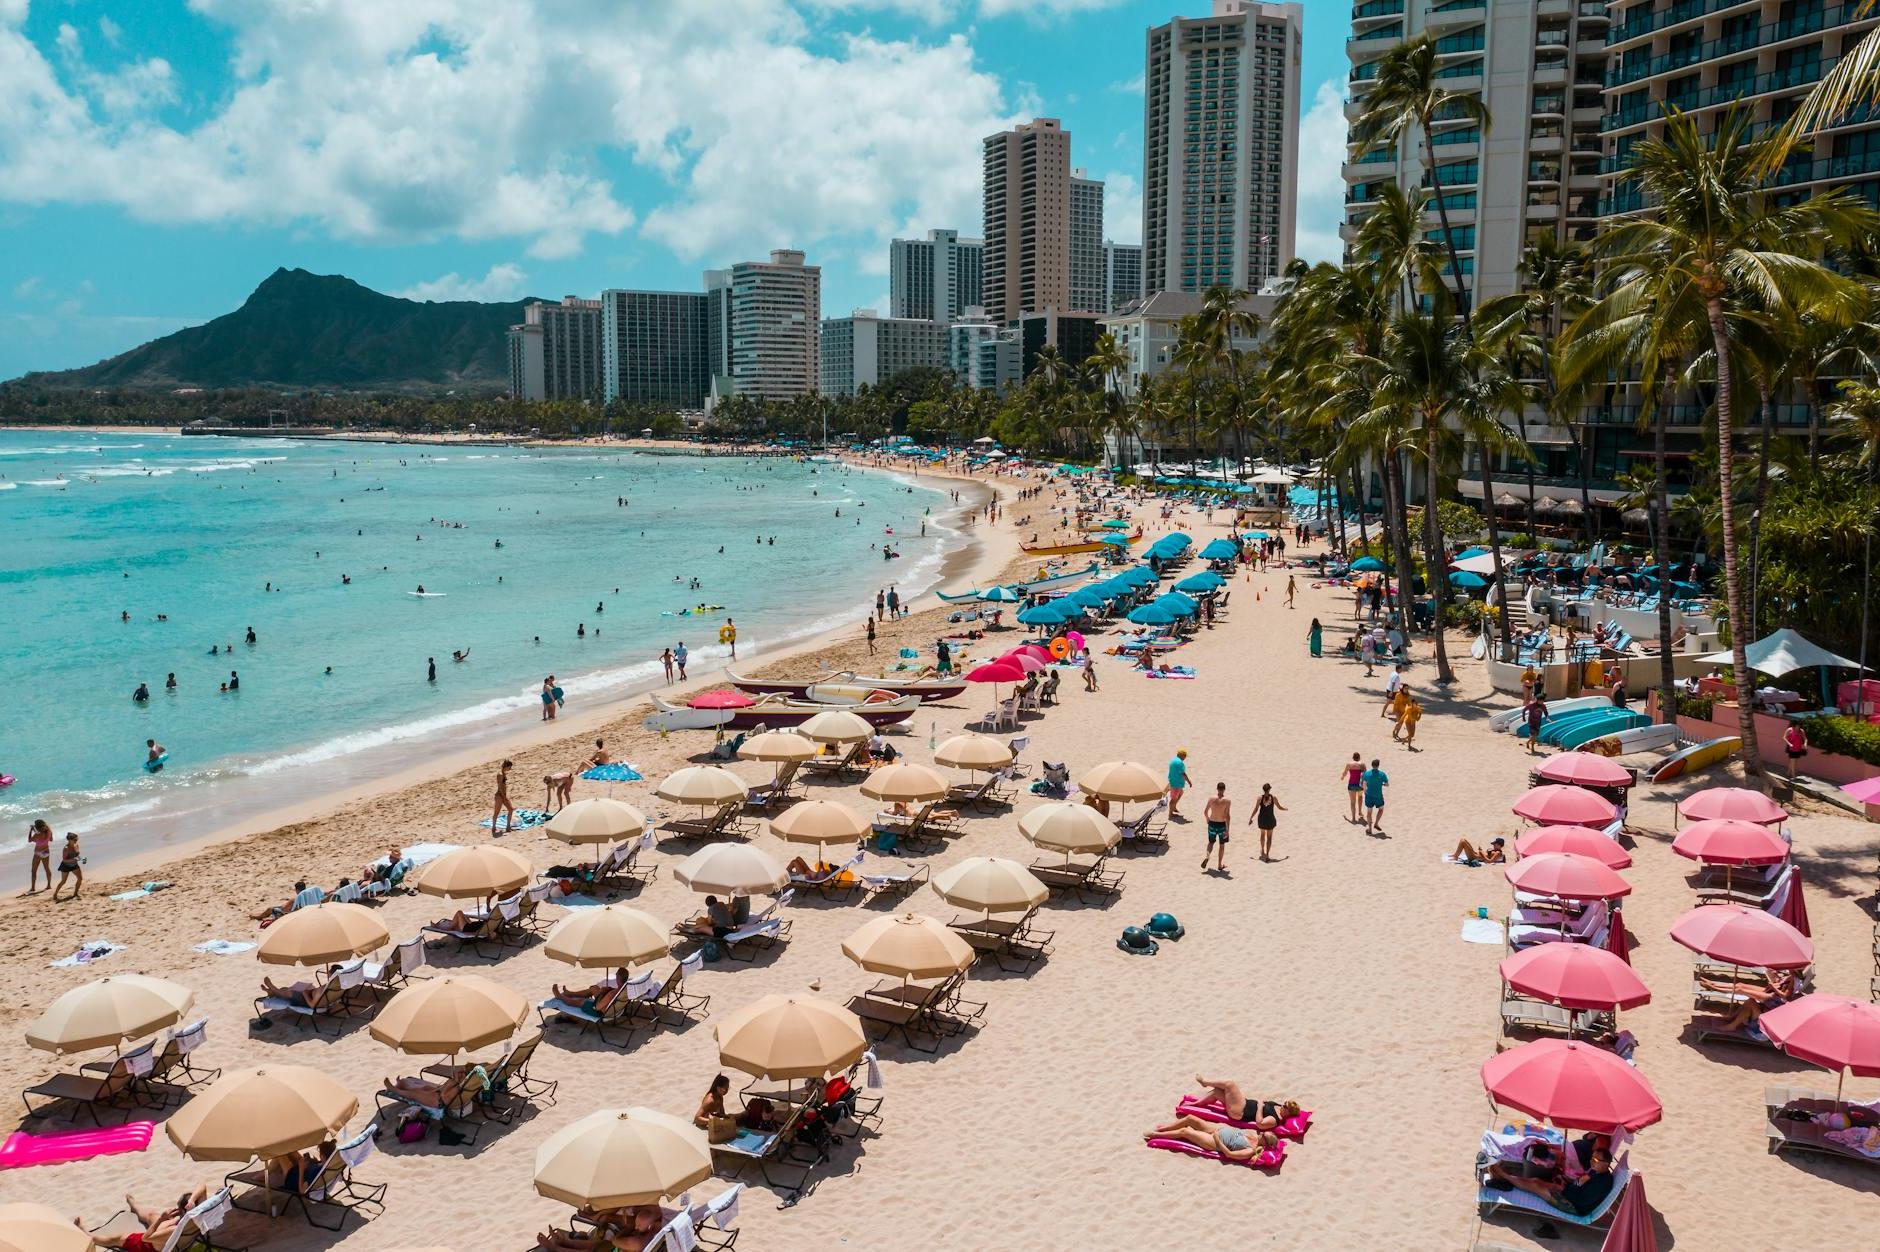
column 720, row 824
column 612, row 1011
column 973, row 794
column 1490, row 1201
column 622, row 866
column 770, row 795
column 767, row 1149
column 1793, row 1134
column 461, row 1102
column 196, row 1230
column 1005, row 940
column 331, row 1193
column 658, row 998
column 531, row 919
column 837, row 882
column 887, row 879
column 852, row 761
column 332, row 998
column 396, row 969
column 1519, row 1011
column 931, row 825
column 709, row 1225
column 1747, row 889
column 479, row 929
column 1149, row 829
column 948, row 1011
column 893, row 1016
column 762, row 931
column 88, row 1093
column 1087, row 879
column 1589, row 927
column 172, row 1069
column 1711, row 1030
column 510, row 1084
column 1004, row 717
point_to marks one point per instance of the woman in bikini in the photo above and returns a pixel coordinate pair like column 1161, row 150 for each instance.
column 1231, row 1142
column 71, row 865
column 39, row 834
column 1264, row 1115
column 1354, row 786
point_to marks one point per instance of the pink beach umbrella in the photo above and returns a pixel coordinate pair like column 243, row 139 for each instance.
column 1031, row 650
column 1575, row 976
column 1000, row 671
column 1576, row 1086
column 1632, row 1229
column 1568, row 806
column 1584, row 769
column 1579, row 840
column 1794, row 909
column 1567, row 876
column 1834, row 1032
column 722, row 699
column 1740, row 804
column 1743, row 936
column 1727, row 841
column 1024, row 661
column 1616, row 941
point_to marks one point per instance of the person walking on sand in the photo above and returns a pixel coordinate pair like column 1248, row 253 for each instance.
column 1375, row 780
column 1392, row 686
column 1090, row 671
column 1315, row 638
column 870, row 625
column 1266, row 811
column 1292, row 589
column 1367, row 652
column 1177, row 782
column 1353, row 771
column 881, row 604
column 679, row 655
column 1219, row 812
column 502, row 803
column 1536, row 712
column 39, row 834
column 665, row 660
column 71, row 865
column 1412, row 714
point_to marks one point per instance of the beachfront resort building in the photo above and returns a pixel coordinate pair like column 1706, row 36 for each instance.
column 1086, row 244
column 982, row 353
column 1147, row 329
column 1122, row 274
column 653, row 348
column 865, row 349
column 762, row 326
column 555, row 352
column 1028, row 219
column 937, row 278
column 1221, row 145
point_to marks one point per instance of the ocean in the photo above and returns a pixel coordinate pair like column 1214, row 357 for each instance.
column 132, row 557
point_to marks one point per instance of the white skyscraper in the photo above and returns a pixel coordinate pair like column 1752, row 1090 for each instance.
column 1221, row 146
column 936, row 278
column 764, row 323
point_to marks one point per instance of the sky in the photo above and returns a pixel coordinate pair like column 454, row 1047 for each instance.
column 159, row 158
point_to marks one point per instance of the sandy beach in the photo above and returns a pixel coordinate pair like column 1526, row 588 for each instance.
column 1333, row 975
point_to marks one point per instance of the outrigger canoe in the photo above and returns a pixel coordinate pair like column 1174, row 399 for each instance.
column 1053, row 583
column 1071, row 549
column 779, row 710
column 845, row 687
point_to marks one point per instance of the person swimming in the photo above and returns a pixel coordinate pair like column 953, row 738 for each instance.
column 420, row 588
column 142, row 694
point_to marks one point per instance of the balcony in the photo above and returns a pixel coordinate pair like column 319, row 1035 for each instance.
column 1722, row 94
column 1455, row 13
column 1642, row 20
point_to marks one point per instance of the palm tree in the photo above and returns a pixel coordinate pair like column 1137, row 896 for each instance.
column 1713, row 238
column 1409, row 90
column 1857, row 414
column 1106, row 365
column 1853, row 81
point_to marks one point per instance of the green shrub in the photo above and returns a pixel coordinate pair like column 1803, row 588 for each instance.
column 1846, row 737
column 1697, row 707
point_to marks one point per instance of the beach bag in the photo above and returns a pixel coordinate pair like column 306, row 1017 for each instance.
column 411, row 1130
column 711, row 950
column 886, row 840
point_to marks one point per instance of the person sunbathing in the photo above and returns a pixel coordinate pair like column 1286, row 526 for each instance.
column 295, row 1172
column 1580, row 1197
column 1494, row 854
column 303, row 897
column 632, row 1232
column 301, row 993
column 1264, row 1114
column 439, row 1095
column 800, row 868
column 595, row 998
column 720, row 918
column 159, row 1224
column 1231, row 1142
column 1757, row 999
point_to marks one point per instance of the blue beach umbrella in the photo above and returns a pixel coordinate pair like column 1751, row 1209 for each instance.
column 1181, row 536
column 613, row 772
column 1200, row 583
column 1477, row 550
column 1001, row 595
column 1137, row 576
column 1087, row 598
column 1116, row 523
column 1042, row 615
column 1115, row 541
column 1367, row 564
column 1220, row 550
column 1179, row 605
column 1151, row 615
column 1464, row 578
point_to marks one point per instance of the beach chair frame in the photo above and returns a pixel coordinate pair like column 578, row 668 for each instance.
column 196, row 1230
column 333, row 1003
column 673, row 998
column 1792, row 1136
column 115, row 1088
column 895, row 884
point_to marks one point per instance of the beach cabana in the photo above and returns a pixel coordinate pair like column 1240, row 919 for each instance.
column 1784, row 652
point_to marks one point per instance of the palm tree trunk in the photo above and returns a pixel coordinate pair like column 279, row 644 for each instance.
column 1397, row 508
column 1740, row 625
column 1436, row 571
column 1661, row 553
column 1359, row 493
column 1496, row 635
column 1762, row 496
column 1449, row 241
column 1520, row 418
column 1866, row 588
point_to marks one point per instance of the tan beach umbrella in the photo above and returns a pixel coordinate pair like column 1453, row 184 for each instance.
column 819, row 822
column 607, row 938
column 475, row 872
column 707, row 786
column 905, row 784
column 1067, row 828
column 107, row 1012
column 616, row 1157
column 973, row 752
column 40, row 1228
column 449, row 1014
column 323, row 934
column 1122, row 782
column 598, row 820
column 732, row 869
column 267, row 1111
column 836, row 726
column 910, row 945
column 778, row 746
column 790, row 1037
column 990, row 884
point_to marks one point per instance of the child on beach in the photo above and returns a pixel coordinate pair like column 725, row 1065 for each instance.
column 71, row 865
column 1407, row 725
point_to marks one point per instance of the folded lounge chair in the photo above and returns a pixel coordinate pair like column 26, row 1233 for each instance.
column 1086, row 879
column 720, row 824
column 1005, row 940
column 886, row 878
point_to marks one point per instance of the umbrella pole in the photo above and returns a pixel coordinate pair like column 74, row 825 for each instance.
column 1840, row 1081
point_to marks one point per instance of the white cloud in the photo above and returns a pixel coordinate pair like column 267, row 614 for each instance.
column 931, row 11
column 503, row 282
column 1321, row 202
column 1122, row 208
column 1042, row 10
column 1128, row 86
column 26, row 287
column 111, row 31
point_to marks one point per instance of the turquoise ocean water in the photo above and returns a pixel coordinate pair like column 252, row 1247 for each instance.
column 196, row 530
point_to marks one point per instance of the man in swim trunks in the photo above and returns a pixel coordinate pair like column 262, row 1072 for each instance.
column 679, row 654
column 1219, row 814
column 158, row 1224
column 1374, row 780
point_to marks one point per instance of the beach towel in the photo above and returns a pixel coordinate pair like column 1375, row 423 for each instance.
column 22, row 1149
column 89, row 951
column 1294, row 1127
column 1482, row 930
column 1173, row 671
column 424, row 853
column 524, row 819
column 575, row 901
column 224, row 947
column 138, row 893
column 1864, row 1140
column 1272, row 1158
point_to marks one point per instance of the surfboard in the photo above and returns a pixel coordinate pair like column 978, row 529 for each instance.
column 1638, row 739
column 155, row 764
column 1508, row 719
column 1598, row 725
column 428, row 595
column 1479, row 648
column 688, row 719
column 1696, row 757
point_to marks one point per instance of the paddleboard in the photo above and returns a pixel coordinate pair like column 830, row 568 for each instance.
column 428, row 595
column 689, row 719
column 1596, row 726
column 1638, row 739
column 1696, row 757
column 1479, row 648
column 152, row 766
column 1508, row 719
column 1557, row 722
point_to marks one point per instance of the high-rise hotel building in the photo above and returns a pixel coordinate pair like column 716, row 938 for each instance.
column 1221, row 146
column 763, row 322
column 1539, row 67
column 937, row 278
column 653, row 348
column 555, row 352
column 1086, row 242
column 1028, row 219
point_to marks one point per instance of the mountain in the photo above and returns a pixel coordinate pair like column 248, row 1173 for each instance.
column 320, row 331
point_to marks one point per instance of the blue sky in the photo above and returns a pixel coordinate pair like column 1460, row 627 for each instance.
column 158, row 158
